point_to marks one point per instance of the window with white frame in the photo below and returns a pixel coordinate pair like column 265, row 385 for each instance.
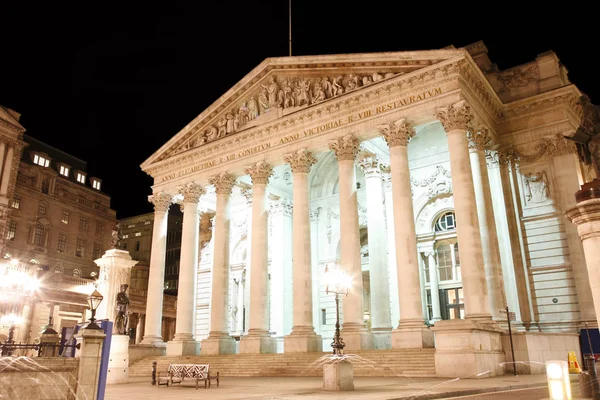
column 447, row 222
column 96, row 184
column 64, row 170
column 80, row 177
column 41, row 161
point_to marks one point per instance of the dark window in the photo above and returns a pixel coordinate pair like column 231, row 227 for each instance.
column 447, row 222
column 137, row 245
column 38, row 236
column 62, row 243
column 80, row 247
column 97, row 251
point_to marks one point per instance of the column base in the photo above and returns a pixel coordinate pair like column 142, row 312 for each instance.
column 467, row 349
column 356, row 337
column 414, row 335
column 258, row 343
column 155, row 341
column 118, row 363
column 302, row 343
column 183, row 348
column 382, row 338
column 338, row 376
column 217, row 344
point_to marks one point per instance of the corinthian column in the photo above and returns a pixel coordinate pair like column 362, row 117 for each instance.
column 487, row 223
column 183, row 342
column 258, row 339
column 303, row 338
column 156, row 278
column 456, row 120
column 218, row 340
column 355, row 333
column 411, row 331
column 381, row 324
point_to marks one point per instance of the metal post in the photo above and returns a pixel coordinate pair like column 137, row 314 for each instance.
column 512, row 349
column 338, row 343
column 154, row 373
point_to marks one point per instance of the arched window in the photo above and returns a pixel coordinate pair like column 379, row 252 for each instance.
column 77, row 273
column 447, row 222
column 38, row 235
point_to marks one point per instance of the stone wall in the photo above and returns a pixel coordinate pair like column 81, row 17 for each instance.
column 38, row 378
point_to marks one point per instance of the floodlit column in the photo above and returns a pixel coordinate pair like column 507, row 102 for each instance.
column 156, row 278
column 355, row 333
column 258, row 339
column 2, row 151
column 485, row 212
column 6, row 171
column 303, row 337
column 411, row 331
column 456, row 119
column 381, row 323
column 218, row 340
column 183, row 342
column 25, row 327
column 434, row 287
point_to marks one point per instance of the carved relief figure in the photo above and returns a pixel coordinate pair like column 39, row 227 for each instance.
column 222, row 127
column 286, row 94
column 252, row 108
column 327, row 88
column 318, row 93
column 352, row 83
column 211, row 133
column 263, row 100
column 336, row 86
column 536, row 187
column 270, row 92
column 302, row 92
column 229, row 124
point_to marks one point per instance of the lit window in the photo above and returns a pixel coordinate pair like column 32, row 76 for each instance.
column 16, row 203
column 79, row 249
column 83, row 224
column 80, row 177
column 12, row 229
column 96, row 184
column 64, row 171
column 125, row 236
column 447, row 222
column 138, row 234
column 38, row 235
column 41, row 161
column 62, row 243
column 65, row 217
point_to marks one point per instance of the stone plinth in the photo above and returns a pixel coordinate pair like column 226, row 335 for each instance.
column 302, row 343
column 257, row 344
column 218, row 345
column 416, row 337
column 357, row 339
column 89, row 354
column 118, row 362
column 466, row 349
column 115, row 270
column 338, row 376
column 139, row 351
column 183, row 348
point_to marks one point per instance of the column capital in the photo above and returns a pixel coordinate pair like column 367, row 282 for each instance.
column 345, row 148
column 223, row 182
column 162, row 201
column 455, row 117
column 397, row 133
column 479, row 139
column 301, row 161
column 191, row 192
column 260, row 172
column 370, row 165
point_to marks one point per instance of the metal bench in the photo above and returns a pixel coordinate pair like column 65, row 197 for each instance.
column 178, row 373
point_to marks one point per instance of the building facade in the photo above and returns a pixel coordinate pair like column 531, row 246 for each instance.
column 57, row 221
column 432, row 178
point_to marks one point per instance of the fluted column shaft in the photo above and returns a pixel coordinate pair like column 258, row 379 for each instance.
column 456, row 120
column 378, row 268
column 188, row 265
column 301, row 162
column 6, row 171
column 259, row 281
column 487, row 223
column 156, row 278
column 220, row 275
column 397, row 135
column 346, row 149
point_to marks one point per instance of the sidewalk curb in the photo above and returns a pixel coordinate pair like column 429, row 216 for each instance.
column 468, row 392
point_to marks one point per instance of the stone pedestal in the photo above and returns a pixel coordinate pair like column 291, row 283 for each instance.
column 466, row 349
column 183, row 348
column 118, row 362
column 257, row 344
column 115, row 270
column 89, row 354
column 357, row 340
column 296, row 343
column 338, row 376
column 218, row 345
column 416, row 337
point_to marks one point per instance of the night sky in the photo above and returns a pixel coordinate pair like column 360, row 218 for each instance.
column 111, row 82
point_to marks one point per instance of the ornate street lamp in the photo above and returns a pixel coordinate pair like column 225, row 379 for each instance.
column 337, row 282
column 10, row 320
column 94, row 301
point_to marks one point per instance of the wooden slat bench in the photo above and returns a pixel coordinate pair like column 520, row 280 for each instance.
column 178, row 373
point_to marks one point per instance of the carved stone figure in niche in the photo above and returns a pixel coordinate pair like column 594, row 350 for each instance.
column 327, row 88
column 222, row 127
column 302, row 92
column 122, row 308
column 229, row 123
column 586, row 137
column 318, row 93
column 286, row 94
column 536, row 187
column 252, row 108
column 336, row 86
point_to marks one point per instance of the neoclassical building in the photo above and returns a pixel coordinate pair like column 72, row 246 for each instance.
column 432, row 178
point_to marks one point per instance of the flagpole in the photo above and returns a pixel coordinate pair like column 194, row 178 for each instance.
column 290, row 25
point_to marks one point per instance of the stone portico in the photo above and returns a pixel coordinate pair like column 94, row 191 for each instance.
column 435, row 181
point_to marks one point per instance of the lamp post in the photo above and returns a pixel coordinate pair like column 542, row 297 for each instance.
column 94, row 301
column 337, row 282
column 10, row 320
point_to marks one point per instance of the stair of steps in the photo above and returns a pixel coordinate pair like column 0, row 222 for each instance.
column 381, row 363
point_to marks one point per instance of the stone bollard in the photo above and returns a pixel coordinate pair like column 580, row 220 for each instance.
column 89, row 354
column 154, row 373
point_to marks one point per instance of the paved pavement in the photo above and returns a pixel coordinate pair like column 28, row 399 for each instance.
column 309, row 388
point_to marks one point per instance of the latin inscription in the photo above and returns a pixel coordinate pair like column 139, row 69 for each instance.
column 361, row 115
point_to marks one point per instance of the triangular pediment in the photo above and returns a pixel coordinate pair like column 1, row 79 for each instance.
column 9, row 121
column 281, row 86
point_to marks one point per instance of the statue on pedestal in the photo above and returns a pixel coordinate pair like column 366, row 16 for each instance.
column 115, row 237
column 586, row 137
column 122, row 309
